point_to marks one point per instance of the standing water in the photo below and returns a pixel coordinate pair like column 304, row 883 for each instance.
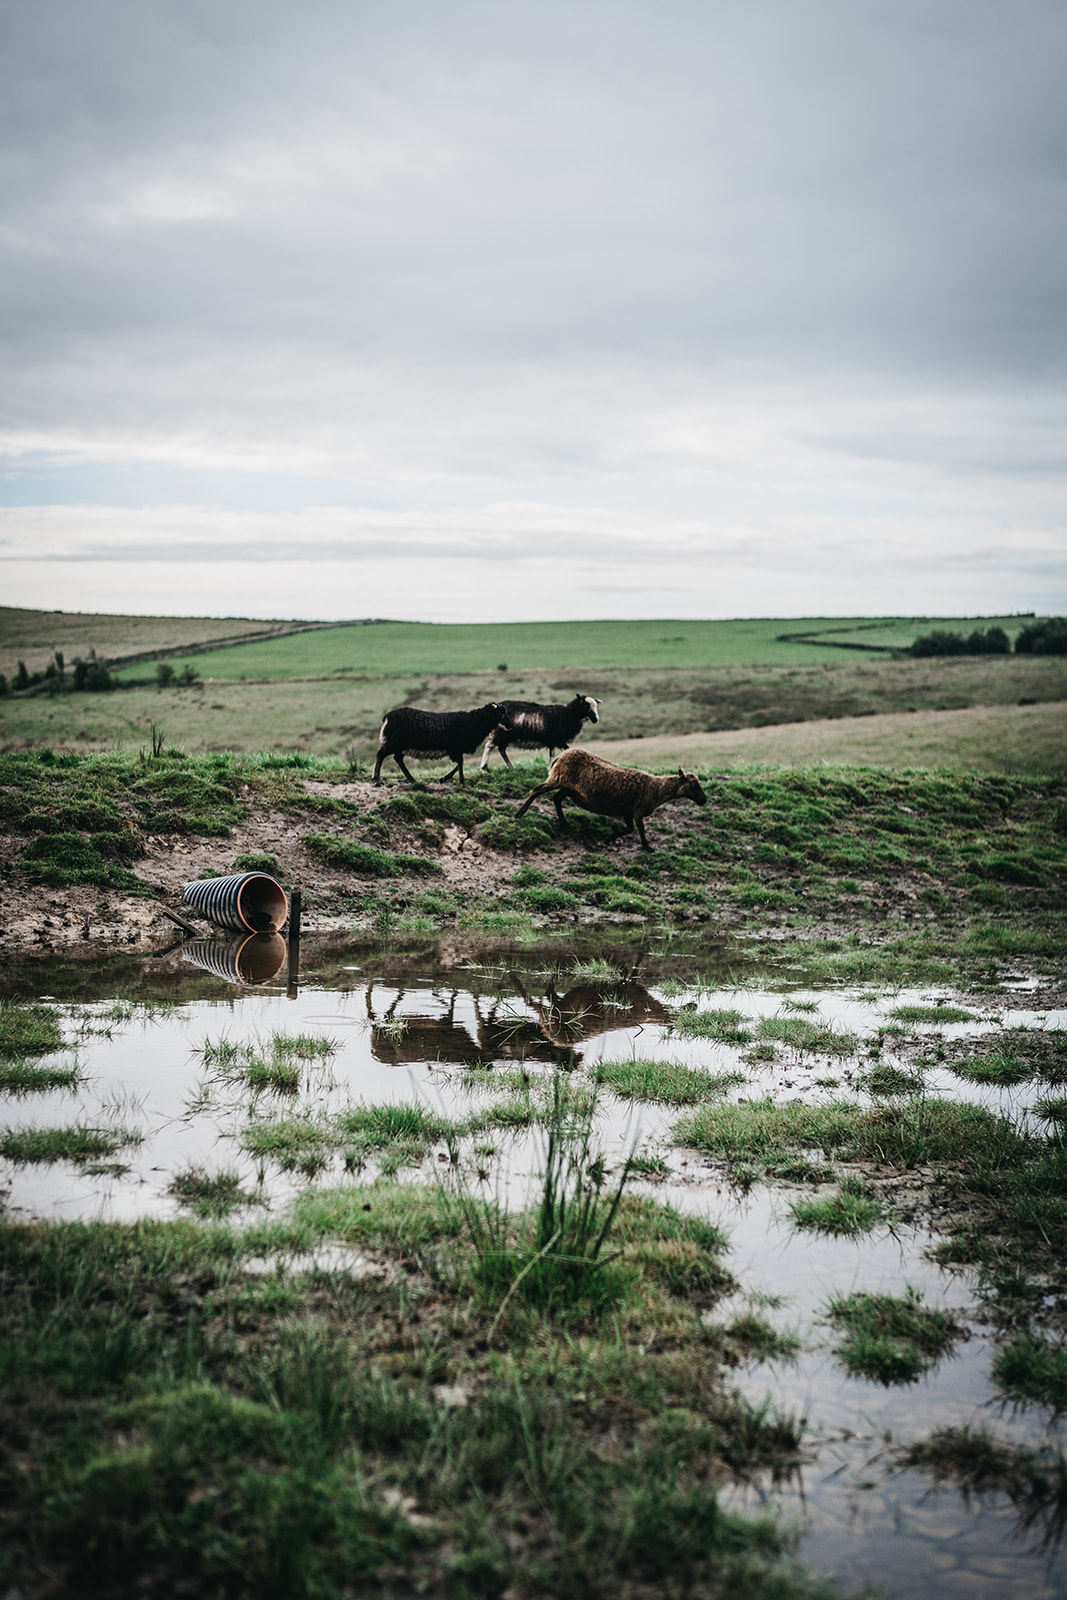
column 223, row 1065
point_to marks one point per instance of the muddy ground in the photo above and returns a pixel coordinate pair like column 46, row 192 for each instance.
column 335, row 899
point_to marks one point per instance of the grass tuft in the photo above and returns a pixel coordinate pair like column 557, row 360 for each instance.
column 39, row 1146
column 726, row 1026
column 818, row 1038
column 26, row 1077
column 846, row 1214
column 211, row 1194
column 935, row 1013
column 1003, row 1070
column 668, row 1082
column 890, row 1338
column 1032, row 1372
column 28, row 1029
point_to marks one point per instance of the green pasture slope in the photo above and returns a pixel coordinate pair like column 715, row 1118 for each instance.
column 382, row 648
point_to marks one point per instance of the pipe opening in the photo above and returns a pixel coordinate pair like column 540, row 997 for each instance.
column 261, row 904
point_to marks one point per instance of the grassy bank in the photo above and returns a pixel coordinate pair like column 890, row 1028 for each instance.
column 913, row 868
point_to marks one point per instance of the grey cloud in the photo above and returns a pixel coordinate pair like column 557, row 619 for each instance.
column 679, row 259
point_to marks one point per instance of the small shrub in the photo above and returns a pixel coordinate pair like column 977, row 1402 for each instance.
column 1048, row 638
column 941, row 642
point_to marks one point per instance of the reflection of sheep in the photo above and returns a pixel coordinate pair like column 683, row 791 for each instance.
column 537, row 727
column 411, row 1037
column 600, row 786
column 426, row 734
column 591, row 1009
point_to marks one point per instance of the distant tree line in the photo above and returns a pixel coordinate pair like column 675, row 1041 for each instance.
column 88, row 674
column 1048, row 638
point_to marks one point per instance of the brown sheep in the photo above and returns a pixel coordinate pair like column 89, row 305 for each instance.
column 601, row 786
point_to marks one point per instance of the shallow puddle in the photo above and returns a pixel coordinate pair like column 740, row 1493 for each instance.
column 446, row 1039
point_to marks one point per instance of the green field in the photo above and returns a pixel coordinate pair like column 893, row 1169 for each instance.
column 325, row 692
column 405, row 647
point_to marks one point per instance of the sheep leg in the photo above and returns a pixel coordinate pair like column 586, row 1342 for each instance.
column 379, row 758
column 457, row 768
column 641, row 830
column 542, row 788
column 398, row 757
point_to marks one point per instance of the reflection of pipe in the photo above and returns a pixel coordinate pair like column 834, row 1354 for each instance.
column 246, row 900
column 255, row 959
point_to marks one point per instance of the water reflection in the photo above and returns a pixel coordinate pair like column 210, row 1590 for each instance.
column 590, row 1009
column 549, row 1031
column 251, row 960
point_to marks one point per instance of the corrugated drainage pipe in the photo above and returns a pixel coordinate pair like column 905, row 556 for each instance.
column 249, row 901
column 256, row 958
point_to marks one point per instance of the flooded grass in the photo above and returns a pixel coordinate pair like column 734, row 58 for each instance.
column 296, row 1144
column 402, row 1425
column 797, row 1033
column 37, row 1146
column 726, row 1025
column 405, row 1134
column 905, row 1136
column 211, row 1194
column 28, row 1030
column 501, row 1371
column 981, row 1464
column 760, row 1339
column 665, row 1082
column 1032, row 1372
column 28, row 1077
column 933, row 1014
column 886, row 1080
column 273, row 1064
column 846, row 1213
column 889, row 1338
column 1003, row 1070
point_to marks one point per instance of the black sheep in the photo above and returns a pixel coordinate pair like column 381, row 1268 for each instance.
column 451, row 734
column 537, row 727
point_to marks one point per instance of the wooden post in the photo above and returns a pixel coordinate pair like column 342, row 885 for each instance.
column 293, row 988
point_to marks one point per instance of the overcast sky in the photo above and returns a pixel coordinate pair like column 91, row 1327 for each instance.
column 474, row 310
